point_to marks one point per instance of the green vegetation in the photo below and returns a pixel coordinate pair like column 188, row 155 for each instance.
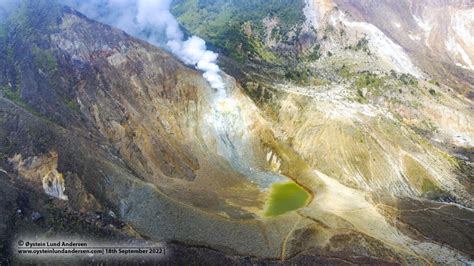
column 302, row 76
column 453, row 160
column 369, row 80
column 285, row 197
column 329, row 28
column 29, row 22
column 263, row 52
column 315, row 54
column 34, row 17
column 297, row 74
column 432, row 91
column 3, row 32
column 408, row 80
column 73, row 105
column 24, row 39
column 345, row 72
column 428, row 186
column 14, row 96
column 431, row 191
column 44, row 60
column 434, row 82
column 362, row 45
column 259, row 92
column 421, row 178
column 237, row 27
column 368, row 84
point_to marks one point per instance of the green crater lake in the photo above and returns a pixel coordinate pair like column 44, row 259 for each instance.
column 285, row 197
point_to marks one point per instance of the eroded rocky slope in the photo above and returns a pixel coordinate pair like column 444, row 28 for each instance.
column 103, row 122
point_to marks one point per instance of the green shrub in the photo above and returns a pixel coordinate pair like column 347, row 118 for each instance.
column 315, row 54
column 345, row 72
column 362, row 44
column 368, row 80
column 73, row 105
column 408, row 79
column 44, row 59
column 434, row 82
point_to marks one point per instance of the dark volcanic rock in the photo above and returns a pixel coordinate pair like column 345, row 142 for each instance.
column 448, row 224
column 8, row 208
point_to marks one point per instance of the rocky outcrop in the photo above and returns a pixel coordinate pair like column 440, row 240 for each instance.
column 43, row 171
column 435, row 33
column 119, row 126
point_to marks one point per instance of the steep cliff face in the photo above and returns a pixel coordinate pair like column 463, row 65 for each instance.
column 142, row 102
column 103, row 122
column 393, row 37
column 437, row 34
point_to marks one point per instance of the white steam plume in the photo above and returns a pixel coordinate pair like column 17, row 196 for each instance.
column 149, row 19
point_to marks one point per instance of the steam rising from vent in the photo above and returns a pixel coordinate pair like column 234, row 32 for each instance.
column 193, row 52
column 150, row 20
